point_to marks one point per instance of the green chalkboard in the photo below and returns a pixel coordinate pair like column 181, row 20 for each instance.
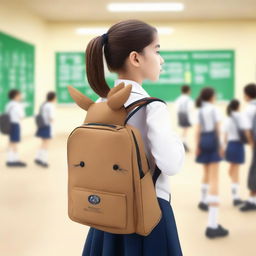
column 16, row 70
column 196, row 68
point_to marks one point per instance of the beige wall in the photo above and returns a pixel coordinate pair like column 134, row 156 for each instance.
column 51, row 37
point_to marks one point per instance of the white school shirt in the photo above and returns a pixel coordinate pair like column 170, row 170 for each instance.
column 15, row 110
column 210, row 115
column 162, row 146
column 48, row 112
column 249, row 112
column 230, row 127
column 184, row 103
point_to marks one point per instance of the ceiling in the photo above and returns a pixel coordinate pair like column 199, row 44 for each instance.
column 96, row 10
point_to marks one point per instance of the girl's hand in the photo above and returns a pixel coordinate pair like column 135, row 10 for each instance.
column 222, row 152
column 198, row 151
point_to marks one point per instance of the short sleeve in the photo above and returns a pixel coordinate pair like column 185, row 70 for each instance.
column 246, row 123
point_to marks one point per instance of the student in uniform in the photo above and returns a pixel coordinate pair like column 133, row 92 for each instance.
column 45, row 133
column 208, row 153
column 184, row 105
column 234, row 152
column 131, row 49
column 15, row 109
column 250, row 125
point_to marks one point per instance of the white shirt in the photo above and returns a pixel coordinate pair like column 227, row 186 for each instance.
column 249, row 113
column 231, row 128
column 184, row 104
column 210, row 115
column 48, row 112
column 15, row 110
column 162, row 146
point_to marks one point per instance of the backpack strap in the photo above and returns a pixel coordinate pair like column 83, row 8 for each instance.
column 138, row 104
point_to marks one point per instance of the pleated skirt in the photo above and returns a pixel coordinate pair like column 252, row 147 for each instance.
column 162, row 241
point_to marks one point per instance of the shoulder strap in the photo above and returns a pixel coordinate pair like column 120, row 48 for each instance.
column 137, row 105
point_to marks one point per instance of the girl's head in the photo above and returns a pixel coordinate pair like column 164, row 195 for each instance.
column 131, row 49
column 185, row 89
column 15, row 94
column 206, row 94
column 250, row 91
column 51, row 96
column 233, row 106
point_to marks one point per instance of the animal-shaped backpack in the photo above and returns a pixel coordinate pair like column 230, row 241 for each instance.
column 110, row 185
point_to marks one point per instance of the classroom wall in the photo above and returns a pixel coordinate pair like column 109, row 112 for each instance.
column 49, row 37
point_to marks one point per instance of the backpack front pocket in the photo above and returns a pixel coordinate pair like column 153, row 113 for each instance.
column 98, row 207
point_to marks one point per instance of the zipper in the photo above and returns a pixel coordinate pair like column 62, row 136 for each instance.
column 138, row 156
column 107, row 125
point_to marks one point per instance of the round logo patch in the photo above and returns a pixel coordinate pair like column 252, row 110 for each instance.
column 94, row 199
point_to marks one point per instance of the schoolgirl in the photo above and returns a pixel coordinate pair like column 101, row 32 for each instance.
column 234, row 153
column 47, row 111
column 208, row 153
column 131, row 49
column 250, row 126
column 15, row 109
column 184, row 105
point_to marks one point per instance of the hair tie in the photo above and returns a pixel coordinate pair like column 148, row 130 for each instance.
column 104, row 38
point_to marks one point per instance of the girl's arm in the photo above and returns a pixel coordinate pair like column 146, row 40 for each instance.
column 197, row 138
column 166, row 147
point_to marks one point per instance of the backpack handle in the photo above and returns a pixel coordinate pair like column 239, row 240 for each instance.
column 138, row 104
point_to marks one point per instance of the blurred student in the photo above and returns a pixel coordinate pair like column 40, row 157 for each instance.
column 250, row 117
column 184, row 105
column 15, row 110
column 208, row 153
column 47, row 111
column 234, row 139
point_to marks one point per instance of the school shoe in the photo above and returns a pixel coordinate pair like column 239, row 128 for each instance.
column 248, row 206
column 16, row 164
column 237, row 202
column 216, row 232
column 39, row 162
column 203, row 206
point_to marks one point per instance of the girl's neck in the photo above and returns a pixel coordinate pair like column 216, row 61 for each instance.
column 131, row 77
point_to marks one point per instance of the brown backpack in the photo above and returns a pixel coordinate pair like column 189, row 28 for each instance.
column 110, row 185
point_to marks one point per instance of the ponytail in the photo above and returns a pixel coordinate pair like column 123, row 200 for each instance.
column 232, row 106
column 95, row 66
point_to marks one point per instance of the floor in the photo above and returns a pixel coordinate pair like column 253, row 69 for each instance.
column 33, row 209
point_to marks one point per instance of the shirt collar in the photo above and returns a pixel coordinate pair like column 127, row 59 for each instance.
column 136, row 87
column 206, row 103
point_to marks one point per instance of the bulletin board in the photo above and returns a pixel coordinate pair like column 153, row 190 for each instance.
column 213, row 68
column 17, row 60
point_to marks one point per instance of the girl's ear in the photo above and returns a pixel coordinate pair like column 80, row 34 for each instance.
column 117, row 100
column 115, row 89
column 81, row 100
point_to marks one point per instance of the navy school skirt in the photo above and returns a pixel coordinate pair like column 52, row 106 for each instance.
column 162, row 241
column 235, row 152
column 44, row 132
column 15, row 132
column 209, row 147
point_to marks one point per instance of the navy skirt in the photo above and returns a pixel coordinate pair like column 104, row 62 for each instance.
column 235, row 152
column 209, row 148
column 44, row 132
column 162, row 241
column 15, row 132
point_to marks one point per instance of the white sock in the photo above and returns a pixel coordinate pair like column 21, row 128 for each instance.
column 16, row 156
column 39, row 154
column 252, row 199
column 204, row 192
column 44, row 156
column 213, row 217
column 10, row 156
column 234, row 191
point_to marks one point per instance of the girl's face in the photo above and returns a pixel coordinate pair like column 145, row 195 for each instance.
column 150, row 60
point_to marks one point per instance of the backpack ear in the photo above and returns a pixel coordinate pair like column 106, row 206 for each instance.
column 115, row 89
column 81, row 100
column 117, row 100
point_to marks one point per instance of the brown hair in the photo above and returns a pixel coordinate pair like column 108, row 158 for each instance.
column 206, row 94
column 185, row 88
column 120, row 40
column 250, row 90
